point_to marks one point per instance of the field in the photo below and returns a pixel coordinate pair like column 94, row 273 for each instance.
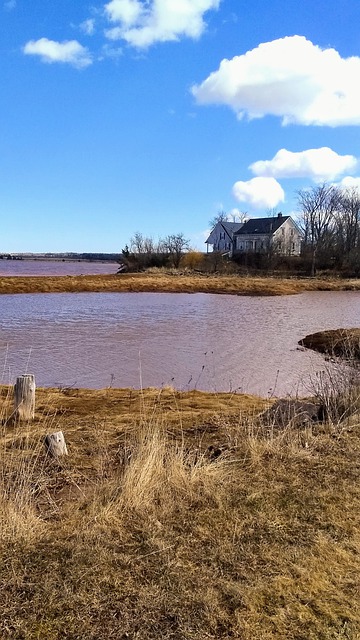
column 174, row 283
column 181, row 516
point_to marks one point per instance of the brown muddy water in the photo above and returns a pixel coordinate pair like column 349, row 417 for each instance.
column 203, row 341
column 55, row 268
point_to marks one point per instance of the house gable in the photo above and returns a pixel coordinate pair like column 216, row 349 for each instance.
column 221, row 236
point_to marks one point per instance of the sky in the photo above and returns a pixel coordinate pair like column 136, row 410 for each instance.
column 154, row 115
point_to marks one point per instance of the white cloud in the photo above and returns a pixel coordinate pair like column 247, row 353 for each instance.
column 111, row 52
column 88, row 26
column 260, row 193
column 125, row 11
column 290, row 78
column 318, row 164
column 50, row 51
column 350, row 182
column 141, row 23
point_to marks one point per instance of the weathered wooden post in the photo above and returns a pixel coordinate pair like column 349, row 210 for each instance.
column 55, row 444
column 24, row 397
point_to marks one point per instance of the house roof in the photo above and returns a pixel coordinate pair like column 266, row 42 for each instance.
column 229, row 227
column 262, row 226
column 232, row 227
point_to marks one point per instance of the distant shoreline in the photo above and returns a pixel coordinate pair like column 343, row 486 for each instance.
column 42, row 257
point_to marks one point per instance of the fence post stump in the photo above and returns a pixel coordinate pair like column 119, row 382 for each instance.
column 24, row 397
column 55, row 445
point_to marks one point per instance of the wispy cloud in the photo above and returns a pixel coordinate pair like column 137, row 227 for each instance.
column 10, row 5
column 50, row 51
column 142, row 23
column 290, row 78
column 108, row 51
column 88, row 26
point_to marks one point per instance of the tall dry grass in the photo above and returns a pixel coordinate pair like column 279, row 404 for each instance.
column 20, row 476
column 179, row 516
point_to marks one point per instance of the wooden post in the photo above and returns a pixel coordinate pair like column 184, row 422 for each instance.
column 24, row 397
column 55, row 445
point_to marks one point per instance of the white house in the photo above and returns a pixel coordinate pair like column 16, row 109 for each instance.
column 279, row 234
column 222, row 236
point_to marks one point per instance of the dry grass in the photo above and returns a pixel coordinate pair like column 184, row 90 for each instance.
column 173, row 283
column 143, row 533
column 335, row 342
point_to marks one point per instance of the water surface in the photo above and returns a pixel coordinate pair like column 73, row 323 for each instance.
column 55, row 268
column 204, row 341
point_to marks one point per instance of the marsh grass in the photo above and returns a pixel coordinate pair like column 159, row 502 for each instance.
column 177, row 516
column 164, row 282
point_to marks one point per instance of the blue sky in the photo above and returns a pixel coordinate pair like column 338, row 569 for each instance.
column 127, row 115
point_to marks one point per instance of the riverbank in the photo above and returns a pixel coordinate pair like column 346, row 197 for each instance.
column 178, row 516
column 335, row 342
column 173, row 283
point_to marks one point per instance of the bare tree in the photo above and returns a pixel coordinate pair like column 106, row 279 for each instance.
column 142, row 244
column 176, row 244
column 350, row 214
column 137, row 242
column 221, row 216
column 319, row 206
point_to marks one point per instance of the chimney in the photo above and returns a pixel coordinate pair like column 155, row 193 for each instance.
column 279, row 215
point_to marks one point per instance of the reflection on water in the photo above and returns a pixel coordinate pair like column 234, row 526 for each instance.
column 210, row 342
column 55, row 268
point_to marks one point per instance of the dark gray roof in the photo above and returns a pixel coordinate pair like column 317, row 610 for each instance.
column 261, row 225
column 232, row 227
column 229, row 227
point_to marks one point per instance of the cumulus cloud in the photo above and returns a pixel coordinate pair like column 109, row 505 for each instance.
column 88, row 26
column 350, row 182
column 290, row 78
column 260, row 193
column 50, row 51
column 318, row 164
column 142, row 23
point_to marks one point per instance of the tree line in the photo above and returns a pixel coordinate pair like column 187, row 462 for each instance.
column 329, row 217
column 144, row 252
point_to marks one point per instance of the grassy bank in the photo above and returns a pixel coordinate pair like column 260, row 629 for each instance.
column 177, row 283
column 177, row 516
column 335, row 342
